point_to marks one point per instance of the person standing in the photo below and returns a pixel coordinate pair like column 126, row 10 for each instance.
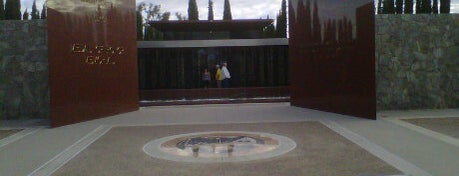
column 226, row 75
column 219, row 76
column 206, row 78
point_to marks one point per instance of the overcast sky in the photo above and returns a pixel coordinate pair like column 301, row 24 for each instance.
column 241, row 9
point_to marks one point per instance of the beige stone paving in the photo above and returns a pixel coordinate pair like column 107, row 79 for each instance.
column 5, row 133
column 319, row 151
column 447, row 126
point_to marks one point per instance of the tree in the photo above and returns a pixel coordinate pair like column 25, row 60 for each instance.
column 316, row 28
column 25, row 16
column 43, row 11
column 408, row 7
column 445, row 6
column 152, row 34
column 388, row 7
column 281, row 26
column 427, row 6
column 13, row 10
column 2, row 10
column 380, row 7
column 418, row 6
column 423, row 6
column 210, row 16
column 193, row 14
column 227, row 11
column 399, row 6
column 435, row 6
column 179, row 16
column 166, row 16
column 269, row 31
column 139, row 21
column 34, row 13
column 153, row 13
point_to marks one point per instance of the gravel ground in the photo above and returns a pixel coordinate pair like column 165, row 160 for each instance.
column 319, row 151
column 448, row 126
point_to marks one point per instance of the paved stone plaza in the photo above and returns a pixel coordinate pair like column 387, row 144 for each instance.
column 326, row 143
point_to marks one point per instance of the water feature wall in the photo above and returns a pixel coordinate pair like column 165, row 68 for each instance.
column 183, row 68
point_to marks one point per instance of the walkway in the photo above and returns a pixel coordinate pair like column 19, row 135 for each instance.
column 410, row 150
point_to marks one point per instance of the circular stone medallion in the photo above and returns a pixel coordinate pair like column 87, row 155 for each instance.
column 219, row 146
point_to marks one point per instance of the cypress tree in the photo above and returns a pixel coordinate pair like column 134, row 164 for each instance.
column 139, row 22
column 408, row 7
column 445, row 6
column 435, row 6
column 281, row 29
column 210, row 16
column 399, row 6
column 25, row 16
column 43, row 11
column 380, row 7
column 227, row 11
column 193, row 14
column 427, row 6
column 418, row 6
column 8, row 6
column 2, row 10
column 424, row 6
column 17, row 9
column 35, row 14
column 13, row 10
column 388, row 7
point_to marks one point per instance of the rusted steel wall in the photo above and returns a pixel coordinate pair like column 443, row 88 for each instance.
column 92, row 59
column 332, row 56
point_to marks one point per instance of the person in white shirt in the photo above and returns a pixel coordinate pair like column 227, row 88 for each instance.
column 226, row 76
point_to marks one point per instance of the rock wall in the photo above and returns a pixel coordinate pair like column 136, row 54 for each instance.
column 417, row 61
column 24, row 91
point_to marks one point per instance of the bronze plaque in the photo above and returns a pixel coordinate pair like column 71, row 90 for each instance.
column 92, row 59
column 332, row 56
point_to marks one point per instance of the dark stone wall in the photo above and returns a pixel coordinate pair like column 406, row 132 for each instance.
column 417, row 61
column 24, row 90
